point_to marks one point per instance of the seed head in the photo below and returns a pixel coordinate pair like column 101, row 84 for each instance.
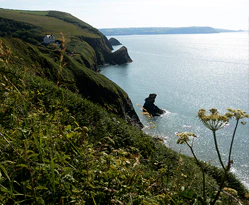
column 214, row 121
column 184, row 137
column 237, row 114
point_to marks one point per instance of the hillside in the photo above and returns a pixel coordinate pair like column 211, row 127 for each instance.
column 53, row 22
column 84, row 48
column 161, row 30
column 68, row 135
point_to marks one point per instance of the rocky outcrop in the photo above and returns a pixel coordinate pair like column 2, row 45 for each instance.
column 150, row 107
column 120, row 56
column 102, row 51
column 86, row 49
column 114, row 42
column 116, row 101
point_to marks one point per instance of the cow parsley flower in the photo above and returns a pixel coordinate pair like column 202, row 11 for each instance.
column 237, row 114
column 214, row 121
column 184, row 137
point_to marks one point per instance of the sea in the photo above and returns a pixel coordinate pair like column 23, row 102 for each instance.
column 189, row 72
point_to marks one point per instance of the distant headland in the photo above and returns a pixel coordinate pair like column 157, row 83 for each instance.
column 163, row 30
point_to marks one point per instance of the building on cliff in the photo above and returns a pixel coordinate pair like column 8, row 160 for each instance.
column 49, row 39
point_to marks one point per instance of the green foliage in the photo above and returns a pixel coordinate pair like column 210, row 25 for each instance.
column 43, row 61
column 57, row 147
column 47, row 157
column 32, row 26
column 47, row 23
column 214, row 122
column 24, row 31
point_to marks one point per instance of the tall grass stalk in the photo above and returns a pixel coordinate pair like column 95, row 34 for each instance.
column 183, row 139
column 62, row 52
column 52, row 173
column 27, row 162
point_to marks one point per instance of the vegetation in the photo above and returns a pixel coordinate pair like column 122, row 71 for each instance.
column 47, row 23
column 86, row 48
column 43, row 61
column 215, row 122
column 55, row 23
column 58, row 146
column 24, row 31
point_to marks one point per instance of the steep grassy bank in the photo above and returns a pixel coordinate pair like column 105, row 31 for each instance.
column 27, row 25
column 82, row 48
column 65, row 130
column 58, row 148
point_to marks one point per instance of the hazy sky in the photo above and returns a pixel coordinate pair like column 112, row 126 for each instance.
column 227, row 14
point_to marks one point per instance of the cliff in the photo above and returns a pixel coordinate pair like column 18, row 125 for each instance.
column 114, row 42
column 62, row 139
column 79, row 50
column 121, row 56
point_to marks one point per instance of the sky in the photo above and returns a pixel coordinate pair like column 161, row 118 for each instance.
column 225, row 14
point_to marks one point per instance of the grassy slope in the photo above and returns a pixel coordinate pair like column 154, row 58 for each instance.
column 48, row 24
column 73, row 76
column 90, row 49
column 53, row 22
column 57, row 147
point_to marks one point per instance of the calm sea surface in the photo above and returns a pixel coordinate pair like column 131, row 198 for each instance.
column 189, row 72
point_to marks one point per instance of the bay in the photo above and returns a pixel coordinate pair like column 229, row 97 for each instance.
column 189, row 72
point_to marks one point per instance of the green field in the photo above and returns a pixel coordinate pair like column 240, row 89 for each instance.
column 47, row 24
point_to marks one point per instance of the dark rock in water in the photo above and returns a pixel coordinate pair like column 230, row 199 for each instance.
column 121, row 56
column 114, row 42
column 150, row 107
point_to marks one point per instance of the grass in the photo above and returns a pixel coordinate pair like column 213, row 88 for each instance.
column 75, row 76
column 65, row 136
column 59, row 148
column 47, row 24
column 42, row 13
column 91, row 49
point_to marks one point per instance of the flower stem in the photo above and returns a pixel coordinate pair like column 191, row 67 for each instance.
column 231, row 146
column 202, row 170
column 220, row 188
column 217, row 149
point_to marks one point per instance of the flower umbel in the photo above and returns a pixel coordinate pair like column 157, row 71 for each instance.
column 184, row 137
column 214, row 121
column 237, row 114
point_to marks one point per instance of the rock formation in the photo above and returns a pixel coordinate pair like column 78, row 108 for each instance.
column 91, row 49
column 150, row 107
column 114, row 42
column 121, row 56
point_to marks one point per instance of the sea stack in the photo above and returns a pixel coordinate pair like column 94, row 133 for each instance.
column 114, row 42
column 150, row 107
column 121, row 56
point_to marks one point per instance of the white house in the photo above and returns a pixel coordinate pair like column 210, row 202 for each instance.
column 49, row 39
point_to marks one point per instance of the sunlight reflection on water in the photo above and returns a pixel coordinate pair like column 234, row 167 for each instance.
column 189, row 72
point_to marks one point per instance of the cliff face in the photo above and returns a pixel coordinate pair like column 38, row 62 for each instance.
column 121, row 56
column 85, row 49
column 114, row 42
